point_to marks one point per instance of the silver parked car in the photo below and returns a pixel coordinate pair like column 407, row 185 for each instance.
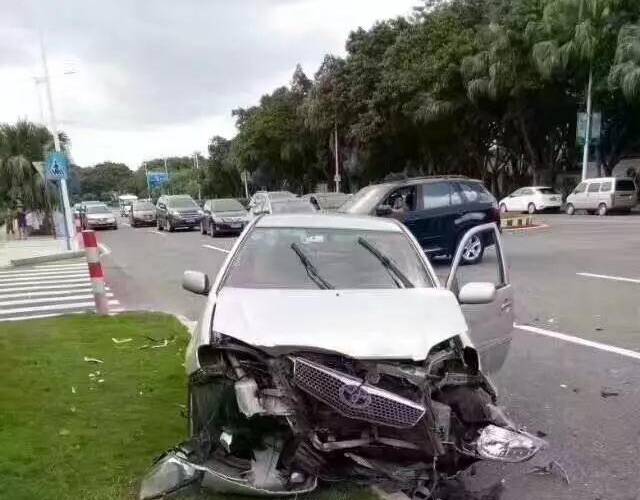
column 603, row 195
column 329, row 348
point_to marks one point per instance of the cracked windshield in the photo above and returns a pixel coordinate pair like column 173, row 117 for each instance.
column 320, row 249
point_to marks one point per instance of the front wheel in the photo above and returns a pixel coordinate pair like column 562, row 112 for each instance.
column 602, row 210
column 531, row 209
column 570, row 209
column 473, row 251
column 170, row 227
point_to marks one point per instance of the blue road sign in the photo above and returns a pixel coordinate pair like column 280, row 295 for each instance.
column 57, row 166
column 158, row 179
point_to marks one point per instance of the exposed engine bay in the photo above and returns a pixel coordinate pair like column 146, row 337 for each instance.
column 276, row 425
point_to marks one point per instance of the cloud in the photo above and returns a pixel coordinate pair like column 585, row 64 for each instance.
column 156, row 69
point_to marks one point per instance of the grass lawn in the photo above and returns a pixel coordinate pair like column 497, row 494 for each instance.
column 68, row 432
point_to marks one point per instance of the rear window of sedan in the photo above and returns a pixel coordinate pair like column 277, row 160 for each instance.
column 547, row 191
column 143, row 205
column 343, row 258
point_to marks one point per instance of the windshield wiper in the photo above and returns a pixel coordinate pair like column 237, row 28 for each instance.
column 387, row 263
column 311, row 269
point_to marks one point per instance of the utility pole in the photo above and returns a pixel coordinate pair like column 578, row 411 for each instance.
column 587, row 132
column 246, row 187
column 197, row 165
column 146, row 174
column 68, row 221
column 166, row 171
column 336, row 178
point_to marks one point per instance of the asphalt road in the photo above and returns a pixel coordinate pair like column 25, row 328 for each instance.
column 549, row 385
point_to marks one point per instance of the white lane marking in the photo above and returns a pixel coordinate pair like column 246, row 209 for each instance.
column 157, row 232
column 42, row 279
column 39, row 316
column 78, row 284
column 607, row 277
column 55, row 272
column 104, row 249
column 46, row 300
column 577, row 340
column 57, row 267
column 50, row 293
column 216, row 248
column 55, row 307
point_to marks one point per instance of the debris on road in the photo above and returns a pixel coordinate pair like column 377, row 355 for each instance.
column 607, row 393
column 73, row 389
column 564, row 386
column 549, row 469
column 93, row 360
column 63, row 432
column 121, row 341
column 541, row 434
column 164, row 344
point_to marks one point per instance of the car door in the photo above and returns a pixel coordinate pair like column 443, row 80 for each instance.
column 526, row 197
column 490, row 323
column 593, row 196
column 432, row 218
column 578, row 197
column 512, row 201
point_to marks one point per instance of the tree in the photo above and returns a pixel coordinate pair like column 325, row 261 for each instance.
column 20, row 182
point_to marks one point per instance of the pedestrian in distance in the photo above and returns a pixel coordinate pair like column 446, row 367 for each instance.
column 22, row 224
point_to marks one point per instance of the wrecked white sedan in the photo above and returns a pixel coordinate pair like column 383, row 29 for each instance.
column 329, row 350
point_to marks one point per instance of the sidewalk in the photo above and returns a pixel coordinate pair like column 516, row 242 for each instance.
column 34, row 246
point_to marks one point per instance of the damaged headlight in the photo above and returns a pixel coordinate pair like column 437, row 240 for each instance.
column 498, row 443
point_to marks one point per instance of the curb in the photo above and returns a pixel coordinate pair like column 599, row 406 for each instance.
column 527, row 229
column 516, row 221
column 26, row 261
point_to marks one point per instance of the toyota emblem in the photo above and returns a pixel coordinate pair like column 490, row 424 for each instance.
column 354, row 396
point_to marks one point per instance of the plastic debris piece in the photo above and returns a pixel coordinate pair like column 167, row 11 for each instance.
column 100, row 381
column 64, row 432
column 164, row 344
column 93, row 360
column 120, row 341
column 550, row 468
column 72, row 409
column 92, row 375
column 73, row 389
column 607, row 393
column 564, row 386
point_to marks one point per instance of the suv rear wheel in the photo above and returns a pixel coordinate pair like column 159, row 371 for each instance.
column 473, row 250
column 570, row 209
column 602, row 209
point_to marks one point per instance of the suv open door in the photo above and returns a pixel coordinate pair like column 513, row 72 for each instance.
column 486, row 299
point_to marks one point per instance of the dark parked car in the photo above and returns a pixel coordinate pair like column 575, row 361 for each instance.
column 142, row 213
column 437, row 210
column 176, row 211
column 223, row 215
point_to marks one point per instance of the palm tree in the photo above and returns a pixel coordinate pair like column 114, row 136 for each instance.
column 625, row 73
column 20, row 182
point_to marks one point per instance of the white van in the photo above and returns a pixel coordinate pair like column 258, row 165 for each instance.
column 602, row 195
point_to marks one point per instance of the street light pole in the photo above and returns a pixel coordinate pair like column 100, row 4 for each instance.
column 68, row 221
column 335, row 141
column 146, row 174
column 197, row 165
column 587, row 132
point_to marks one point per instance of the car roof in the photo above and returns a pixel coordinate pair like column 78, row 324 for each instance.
column 330, row 221
column 425, row 180
column 601, row 179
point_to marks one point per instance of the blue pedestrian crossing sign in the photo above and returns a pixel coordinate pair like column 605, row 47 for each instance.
column 57, row 166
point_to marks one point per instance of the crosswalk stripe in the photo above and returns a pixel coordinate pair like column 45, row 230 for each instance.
column 60, row 286
column 39, row 316
column 62, row 264
column 44, row 278
column 59, row 268
column 35, row 274
column 48, row 293
column 54, row 307
column 45, row 300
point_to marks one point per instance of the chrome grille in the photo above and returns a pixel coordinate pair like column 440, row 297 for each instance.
column 350, row 397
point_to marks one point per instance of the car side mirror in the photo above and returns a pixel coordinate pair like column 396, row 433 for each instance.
column 477, row 293
column 383, row 210
column 196, row 282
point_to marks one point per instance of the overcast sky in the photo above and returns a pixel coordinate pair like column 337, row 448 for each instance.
column 158, row 78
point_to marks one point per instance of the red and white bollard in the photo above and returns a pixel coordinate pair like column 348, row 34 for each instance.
column 95, row 271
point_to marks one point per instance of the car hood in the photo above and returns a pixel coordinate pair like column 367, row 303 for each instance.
column 364, row 324
column 144, row 212
column 235, row 213
column 100, row 216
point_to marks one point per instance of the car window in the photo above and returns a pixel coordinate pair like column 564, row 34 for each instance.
column 475, row 192
column 226, row 205
column 546, row 191
column 402, row 199
column 182, row 202
column 605, row 187
column 268, row 260
column 292, row 206
column 625, row 185
column 580, row 188
column 143, row 205
column 456, row 194
column 526, row 192
column 98, row 209
column 435, row 195
column 594, row 187
column 517, row 192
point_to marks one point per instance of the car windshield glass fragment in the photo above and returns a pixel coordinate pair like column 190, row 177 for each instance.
column 230, row 205
column 98, row 209
column 266, row 260
column 182, row 203
column 292, row 207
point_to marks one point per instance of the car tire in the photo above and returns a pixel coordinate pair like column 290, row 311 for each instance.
column 203, row 230
column 159, row 225
column 570, row 209
column 503, row 208
column 602, row 209
column 213, row 231
column 531, row 209
column 473, row 251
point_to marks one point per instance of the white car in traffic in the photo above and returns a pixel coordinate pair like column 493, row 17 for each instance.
column 532, row 199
